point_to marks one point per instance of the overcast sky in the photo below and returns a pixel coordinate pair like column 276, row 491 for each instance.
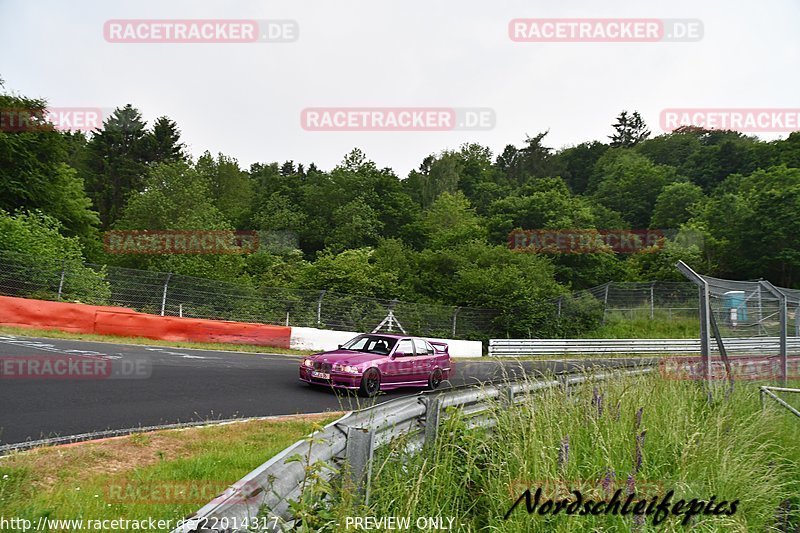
column 245, row 100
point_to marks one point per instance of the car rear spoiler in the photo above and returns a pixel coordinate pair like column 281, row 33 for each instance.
column 441, row 346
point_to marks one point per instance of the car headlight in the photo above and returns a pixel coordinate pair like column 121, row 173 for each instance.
column 346, row 368
column 308, row 363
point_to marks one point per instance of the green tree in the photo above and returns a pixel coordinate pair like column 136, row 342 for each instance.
column 534, row 160
column 354, row 193
column 176, row 196
column 163, row 142
column 675, row 204
column 117, row 162
column 629, row 131
column 230, row 187
column 451, row 221
column 350, row 272
column 751, row 226
column 34, row 174
column 355, row 224
column 629, row 183
column 544, row 204
column 436, row 175
column 477, row 274
column 36, row 253
column 578, row 163
column 659, row 265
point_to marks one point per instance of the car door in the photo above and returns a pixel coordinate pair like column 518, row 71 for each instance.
column 423, row 361
column 401, row 368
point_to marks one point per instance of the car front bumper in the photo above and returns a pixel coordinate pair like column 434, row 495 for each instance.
column 340, row 380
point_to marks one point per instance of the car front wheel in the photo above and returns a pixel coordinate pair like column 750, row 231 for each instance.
column 370, row 383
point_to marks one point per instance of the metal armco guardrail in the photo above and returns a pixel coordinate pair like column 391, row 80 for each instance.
column 350, row 440
column 549, row 347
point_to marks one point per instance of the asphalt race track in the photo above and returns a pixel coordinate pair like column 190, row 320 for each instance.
column 186, row 385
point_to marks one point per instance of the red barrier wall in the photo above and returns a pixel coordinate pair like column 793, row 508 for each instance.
column 103, row 320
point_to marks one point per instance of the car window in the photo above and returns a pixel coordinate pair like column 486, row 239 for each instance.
column 419, row 347
column 356, row 344
column 372, row 344
column 406, row 347
column 378, row 345
column 429, row 348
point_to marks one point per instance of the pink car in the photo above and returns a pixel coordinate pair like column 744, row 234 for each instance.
column 374, row 361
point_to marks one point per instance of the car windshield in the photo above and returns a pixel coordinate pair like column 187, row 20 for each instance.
column 371, row 344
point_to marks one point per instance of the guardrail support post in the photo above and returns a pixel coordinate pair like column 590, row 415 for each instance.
column 508, row 396
column 358, row 454
column 563, row 381
column 432, row 410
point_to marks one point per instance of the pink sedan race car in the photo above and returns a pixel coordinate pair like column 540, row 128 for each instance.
column 373, row 362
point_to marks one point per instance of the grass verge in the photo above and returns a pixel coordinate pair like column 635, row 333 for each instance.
column 164, row 475
column 58, row 334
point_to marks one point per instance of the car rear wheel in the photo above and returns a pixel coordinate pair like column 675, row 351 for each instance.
column 435, row 380
column 370, row 383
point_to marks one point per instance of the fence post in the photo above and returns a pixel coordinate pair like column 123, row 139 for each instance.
column 319, row 306
column 760, row 314
column 797, row 321
column 605, row 302
column 61, row 282
column 783, row 325
column 164, row 296
column 455, row 314
column 358, row 454
column 705, row 321
column 652, row 301
column 392, row 303
column 560, row 299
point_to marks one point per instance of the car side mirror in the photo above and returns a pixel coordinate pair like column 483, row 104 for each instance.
column 340, row 346
column 399, row 354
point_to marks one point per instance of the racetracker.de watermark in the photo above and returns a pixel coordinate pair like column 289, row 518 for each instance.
column 397, row 118
column 59, row 118
column 579, row 241
column 610, row 30
column 179, row 492
column 749, row 120
column 200, row 31
column 180, row 242
column 761, row 368
column 74, row 367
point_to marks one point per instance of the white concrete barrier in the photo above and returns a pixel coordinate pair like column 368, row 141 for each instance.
column 319, row 340
column 324, row 339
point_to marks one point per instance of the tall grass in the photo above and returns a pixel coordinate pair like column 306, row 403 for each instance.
column 645, row 434
column 618, row 325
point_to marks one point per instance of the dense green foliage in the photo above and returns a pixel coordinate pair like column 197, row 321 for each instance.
column 438, row 235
